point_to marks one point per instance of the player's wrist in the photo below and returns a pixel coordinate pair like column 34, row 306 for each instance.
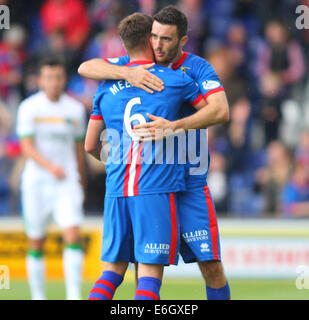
column 125, row 73
column 178, row 125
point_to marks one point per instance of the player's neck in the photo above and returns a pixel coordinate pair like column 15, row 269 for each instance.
column 52, row 98
column 178, row 56
column 142, row 55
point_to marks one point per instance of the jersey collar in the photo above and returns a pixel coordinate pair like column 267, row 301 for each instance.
column 178, row 63
column 131, row 63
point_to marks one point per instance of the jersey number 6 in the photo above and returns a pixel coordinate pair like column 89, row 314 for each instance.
column 131, row 121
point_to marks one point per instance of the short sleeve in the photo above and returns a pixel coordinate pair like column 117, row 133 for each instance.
column 25, row 121
column 119, row 61
column 207, row 79
column 96, row 113
column 191, row 91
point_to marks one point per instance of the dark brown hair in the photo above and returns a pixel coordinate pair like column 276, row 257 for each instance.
column 135, row 30
column 51, row 61
column 172, row 16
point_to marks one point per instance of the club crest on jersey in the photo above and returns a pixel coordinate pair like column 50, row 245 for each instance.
column 183, row 69
column 210, row 84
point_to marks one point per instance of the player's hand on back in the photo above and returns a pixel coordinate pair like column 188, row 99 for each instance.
column 141, row 78
column 57, row 172
column 158, row 128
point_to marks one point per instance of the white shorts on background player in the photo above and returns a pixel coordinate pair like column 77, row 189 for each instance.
column 60, row 201
column 55, row 127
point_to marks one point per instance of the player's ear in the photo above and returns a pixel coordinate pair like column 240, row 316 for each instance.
column 150, row 42
column 184, row 40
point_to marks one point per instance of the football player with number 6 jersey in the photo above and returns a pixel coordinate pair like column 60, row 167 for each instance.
column 140, row 210
column 196, row 208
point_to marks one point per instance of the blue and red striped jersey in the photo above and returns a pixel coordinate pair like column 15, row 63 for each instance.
column 202, row 72
column 135, row 167
column 198, row 158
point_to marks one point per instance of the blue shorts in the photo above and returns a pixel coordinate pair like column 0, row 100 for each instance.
column 198, row 226
column 142, row 228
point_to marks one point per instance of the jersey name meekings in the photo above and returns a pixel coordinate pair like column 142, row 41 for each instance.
column 119, row 85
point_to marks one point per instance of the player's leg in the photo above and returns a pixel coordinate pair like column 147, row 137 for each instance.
column 149, row 281
column 35, row 219
column 217, row 286
column 156, row 240
column 68, row 214
column 36, row 268
column 200, row 239
column 117, row 248
column 111, row 278
column 73, row 257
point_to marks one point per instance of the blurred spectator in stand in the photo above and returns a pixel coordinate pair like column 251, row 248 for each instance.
column 103, row 13
column 105, row 44
column 280, row 66
column 83, row 89
column 272, row 178
column 238, row 137
column 295, row 195
column 235, row 86
column 302, row 151
column 272, row 9
column 197, row 24
column 147, row 6
column 219, row 14
column 69, row 16
column 242, row 198
column 5, row 127
column 217, row 181
column 12, row 58
column 100, row 11
column 236, row 43
column 56, row 45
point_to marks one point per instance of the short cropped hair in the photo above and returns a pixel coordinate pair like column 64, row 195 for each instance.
column 170, row 15
column 51, row 61
column 135, row 30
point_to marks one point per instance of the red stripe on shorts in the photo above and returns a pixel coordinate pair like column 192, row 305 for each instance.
column 174, row 231
column 212, row 223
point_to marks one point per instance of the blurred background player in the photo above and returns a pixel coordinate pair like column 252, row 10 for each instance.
column 51, row 129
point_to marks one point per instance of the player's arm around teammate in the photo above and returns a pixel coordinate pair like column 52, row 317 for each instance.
column 214, row 111
column 140, row 77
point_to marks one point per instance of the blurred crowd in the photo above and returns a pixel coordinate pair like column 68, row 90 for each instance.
column 259, row 160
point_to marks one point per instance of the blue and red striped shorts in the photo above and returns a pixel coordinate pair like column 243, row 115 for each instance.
column 143, row 228
column 198, row 225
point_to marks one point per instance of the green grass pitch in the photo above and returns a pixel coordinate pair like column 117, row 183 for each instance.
column 175, row 289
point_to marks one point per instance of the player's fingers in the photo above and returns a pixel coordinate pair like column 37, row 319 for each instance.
column 145, row 88
column 152, row 117
column 154, row 79
column 142, row 133
column 152, row 138
column 147, row 139
column 154, row 85
column 147, row 66
column 143, row 125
